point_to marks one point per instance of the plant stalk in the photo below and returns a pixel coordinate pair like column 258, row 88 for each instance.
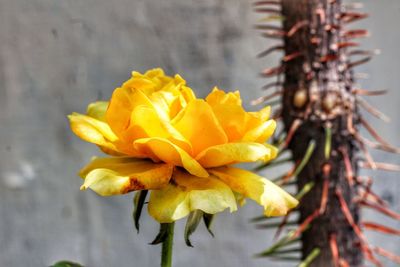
column 167, row 246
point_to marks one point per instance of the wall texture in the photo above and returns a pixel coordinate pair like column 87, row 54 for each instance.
column 58, row 55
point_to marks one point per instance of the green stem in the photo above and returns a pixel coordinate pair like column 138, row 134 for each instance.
column 166, row 252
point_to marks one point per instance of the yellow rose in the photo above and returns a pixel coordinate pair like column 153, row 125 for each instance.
column 162, row 138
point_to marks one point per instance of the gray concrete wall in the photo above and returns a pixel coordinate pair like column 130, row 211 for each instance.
column 56, row 56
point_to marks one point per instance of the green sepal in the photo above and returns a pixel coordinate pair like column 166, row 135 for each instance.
column 66, row 264
column 208, row 220
column 191, row 225
column 138, row 201
column 162, row 234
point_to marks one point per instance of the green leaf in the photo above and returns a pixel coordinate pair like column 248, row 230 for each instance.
column 208, row 219
column 306, row 158
column 191, row 225
column 272, row 18
column 306, row 188
column 272, row 163
column 310, row 258
column 138, row 201
column 285, row 241
column 66, row 264
column 274, row 225
column 162, row 234
column 328, row 142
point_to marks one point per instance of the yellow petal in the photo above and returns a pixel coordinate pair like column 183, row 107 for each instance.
column 188, row 193
column 260, row 133
column 98, row 110
column 167, row 152
column 198, row 124
column 276, row 202
column 118, row 115
column 114, row 176
column 218, row 96
column 151, row 125
column 229, row 112
column 256, row 119
column 234, row 153
column 92, row 130
column 274, row 150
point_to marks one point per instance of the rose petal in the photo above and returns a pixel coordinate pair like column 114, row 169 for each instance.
column 260, row 133
column 167, row 152
column 92, row 130
column 276, row 202
column 114, row 176
column 98, row 110
column 188, row 193
column 198, row 124
column 234, row 153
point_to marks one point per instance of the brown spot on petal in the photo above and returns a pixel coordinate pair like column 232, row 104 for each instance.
column 134, row 185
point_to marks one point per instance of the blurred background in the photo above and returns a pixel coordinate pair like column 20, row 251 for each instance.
column 56, row 56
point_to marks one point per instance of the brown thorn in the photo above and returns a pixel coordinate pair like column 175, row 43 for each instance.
column 305, row 223
column 343, row 45
column 359, row 91
column 273, row 71
column 292, row 56
column 349, row 217
column 334, row 249
column 359, row 33
column 364, row 52
column 358, row 62
column 270, row 50
column 380, row 146
column 367, row 155
column 295, row 125
column 324, row 197
column 367, row 186
column 381, row 209
column 276, row 34
column 288, row 175
column 296, row 27
column 387, row 254
column 347, row 164
column 271, row 85
column 265, row 98
column 281, row 225
column 368, row 107
column 380, row 228
column 370, row 256
column 381, row 166
column 356, row 228
column 347, row 17
column 373, row 133
column 329, row 57
column 368, row 194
